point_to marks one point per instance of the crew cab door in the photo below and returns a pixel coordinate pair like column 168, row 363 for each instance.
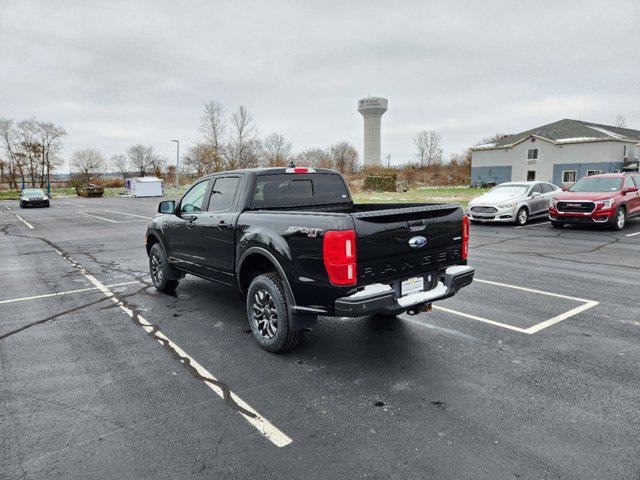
column 182, row 240
column 537, row 201
column 216, row 229
column 633, row 198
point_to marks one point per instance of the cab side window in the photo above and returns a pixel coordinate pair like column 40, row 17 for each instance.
column 192, row 201
column 628, row 182
column 547, row 188
column 536, row 189
column 223, row 193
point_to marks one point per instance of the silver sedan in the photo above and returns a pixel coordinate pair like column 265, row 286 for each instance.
column 514, row 202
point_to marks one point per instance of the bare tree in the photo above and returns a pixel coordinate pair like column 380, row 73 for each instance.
column 144, row 160
column 9, row 144
column 87, row 163
column 121, row 164
column 275, row 151
column 344, row 157
column 50, row 136
column 242, row 149
column 314, row 157
column 212, row 127
column 620, row 121
column 493, row 138
column 201, row 159
column 428, row 147
column 32, row 150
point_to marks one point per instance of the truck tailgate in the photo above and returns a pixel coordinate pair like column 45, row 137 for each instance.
column 384, row 250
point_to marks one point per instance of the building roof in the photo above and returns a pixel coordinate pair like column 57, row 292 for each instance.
column 568, row 131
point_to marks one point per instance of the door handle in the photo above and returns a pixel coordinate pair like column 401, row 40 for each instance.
column 221, row 224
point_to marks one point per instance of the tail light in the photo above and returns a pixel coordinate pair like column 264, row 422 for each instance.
column 465, row 237
column 339, row 253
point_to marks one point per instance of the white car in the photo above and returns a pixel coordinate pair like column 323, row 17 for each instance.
column 512, row 202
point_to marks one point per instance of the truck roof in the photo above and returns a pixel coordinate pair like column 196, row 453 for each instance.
column 274, row 170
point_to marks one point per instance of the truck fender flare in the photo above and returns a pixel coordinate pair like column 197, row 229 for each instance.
column 297, row 320
column 266, row 253
column 158, row 238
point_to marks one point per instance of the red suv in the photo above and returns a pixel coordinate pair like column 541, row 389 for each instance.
column 609, row 198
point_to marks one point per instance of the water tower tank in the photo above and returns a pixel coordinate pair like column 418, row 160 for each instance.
column 372, row 109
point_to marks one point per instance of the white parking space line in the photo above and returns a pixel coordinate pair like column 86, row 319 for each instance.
column 532, row 290
column 480, row 319
column 586, row 304
column 7, row 207
column 266, row 428
column 80, row 290
column 24, row 221
column 533, row 225
column 130, row 214
column 97, row 216
column 74, row 204
column 632, row 234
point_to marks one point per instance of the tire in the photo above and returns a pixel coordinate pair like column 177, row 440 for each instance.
column 268, row 314
column 619, row 220
column 160, row 270
column 522, row 217
column 21, row 205
column 47, row 204
column 555, row 224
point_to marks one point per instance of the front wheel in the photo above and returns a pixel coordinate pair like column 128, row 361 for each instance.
column 21, row 205
column 268, row 314
column 619, row 220
column 522, row 217
column 161, row 270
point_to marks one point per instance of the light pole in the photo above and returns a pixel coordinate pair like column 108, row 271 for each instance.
column 177, row 162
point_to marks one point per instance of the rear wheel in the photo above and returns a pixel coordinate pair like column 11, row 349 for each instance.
column 268, row 314
column 619, row 220
column 161, row 270
column 522, row 217
column 555, row 224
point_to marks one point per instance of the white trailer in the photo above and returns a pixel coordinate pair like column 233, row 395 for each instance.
column 145, row 187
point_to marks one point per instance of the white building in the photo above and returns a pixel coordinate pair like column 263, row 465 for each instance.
column 560, row 152
column 145, row 187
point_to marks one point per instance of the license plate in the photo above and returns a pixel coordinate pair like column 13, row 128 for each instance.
column 412, row 285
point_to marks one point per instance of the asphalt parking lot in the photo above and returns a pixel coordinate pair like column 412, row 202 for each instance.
column 530, row 372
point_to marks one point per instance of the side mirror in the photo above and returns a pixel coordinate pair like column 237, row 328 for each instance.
column 167, row 206
column 535, row 194
column 564, row 188
column 630, row 189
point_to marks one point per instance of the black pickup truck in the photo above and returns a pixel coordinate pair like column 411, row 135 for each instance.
column 294, row 243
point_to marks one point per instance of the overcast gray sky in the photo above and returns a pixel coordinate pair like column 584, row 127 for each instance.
column 115, row 73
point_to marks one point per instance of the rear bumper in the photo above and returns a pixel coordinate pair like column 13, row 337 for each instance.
column 382, row 298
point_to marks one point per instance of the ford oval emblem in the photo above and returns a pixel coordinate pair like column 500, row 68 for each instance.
column 417, row 242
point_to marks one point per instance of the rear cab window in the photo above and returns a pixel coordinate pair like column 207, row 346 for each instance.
column 294, row 189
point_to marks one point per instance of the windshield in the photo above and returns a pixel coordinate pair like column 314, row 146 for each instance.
column 595, row 184
column 510, row 190
column 32, row 191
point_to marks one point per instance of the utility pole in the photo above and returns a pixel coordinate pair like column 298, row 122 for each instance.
column 177, row 162
column 388, row 160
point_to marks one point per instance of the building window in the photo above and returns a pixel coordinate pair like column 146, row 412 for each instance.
column 569, row 176
column 624, row 152
column 532, row 154
column 593, row 172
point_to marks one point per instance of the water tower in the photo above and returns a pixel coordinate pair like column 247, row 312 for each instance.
column 372, row 109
